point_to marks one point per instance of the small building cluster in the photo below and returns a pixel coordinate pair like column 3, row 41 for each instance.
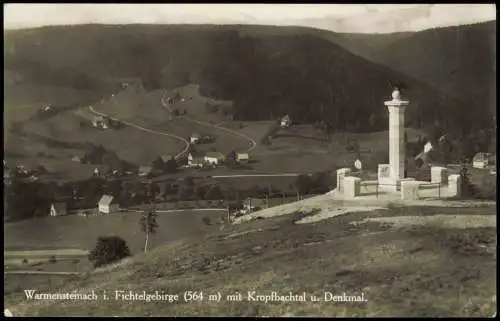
column 107, row 204
column 200, row 139
column 100, row 122
column 205, row 159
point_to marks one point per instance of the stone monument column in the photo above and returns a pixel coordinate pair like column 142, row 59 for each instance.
column 397, row 153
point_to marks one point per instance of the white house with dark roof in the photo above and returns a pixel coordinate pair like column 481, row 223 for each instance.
column 196, row 159
column 242, row 157
column 107, row 204
column 58, row 209
column 195, row 138
column 214, row 158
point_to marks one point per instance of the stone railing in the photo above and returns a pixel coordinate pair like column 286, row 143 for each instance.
column 446, row 185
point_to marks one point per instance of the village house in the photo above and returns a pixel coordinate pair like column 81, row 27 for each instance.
column 196, row 159
column 483, row 160
column 145, row 170
column 58, row 209
column 195, row 138
column 99, row 122
column 242, row 158
column 214, row 158
column 286, row 121
column 107, row 204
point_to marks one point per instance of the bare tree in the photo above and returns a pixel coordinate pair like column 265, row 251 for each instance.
column 148, row 224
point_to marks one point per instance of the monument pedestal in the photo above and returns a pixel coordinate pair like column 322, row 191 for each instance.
column 393, row 184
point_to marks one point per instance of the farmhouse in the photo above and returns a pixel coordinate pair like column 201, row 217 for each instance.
column 58, row 209
column 195, row 159
column 145, row 170
column 99, row 122
column 242, row 157
column 107, row 204
column 214, row 158
column 483, row 160
column 286, row 121
column 195, row 138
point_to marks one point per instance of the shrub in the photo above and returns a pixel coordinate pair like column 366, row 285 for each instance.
column 468, row 189
column 108, row 249
column 52, row 259
column 25, row 261
column 486, row 189
column 206, row 220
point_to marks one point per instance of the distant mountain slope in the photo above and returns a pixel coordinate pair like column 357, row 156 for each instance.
column 266, row 75
column 460, row 61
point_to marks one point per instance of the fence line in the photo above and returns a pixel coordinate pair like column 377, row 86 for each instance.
column 430, row 185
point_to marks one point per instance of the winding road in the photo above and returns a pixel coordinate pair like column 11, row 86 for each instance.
column 179, row 155
column 252, row 142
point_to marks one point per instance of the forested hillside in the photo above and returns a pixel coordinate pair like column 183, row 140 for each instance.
column 265, row 74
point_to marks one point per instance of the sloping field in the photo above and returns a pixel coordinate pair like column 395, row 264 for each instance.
column 81, row 233
column 22, row 101
column 426, row 270
column 129, row 143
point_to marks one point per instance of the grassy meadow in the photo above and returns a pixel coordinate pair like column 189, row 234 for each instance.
column 412, row 271
column 81, row 233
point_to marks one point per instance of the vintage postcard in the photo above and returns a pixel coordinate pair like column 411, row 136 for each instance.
column 317, row 160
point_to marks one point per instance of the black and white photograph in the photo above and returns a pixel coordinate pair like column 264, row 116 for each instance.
column 249, row 160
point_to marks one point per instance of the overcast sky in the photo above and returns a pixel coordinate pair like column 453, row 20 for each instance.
column 336, row 17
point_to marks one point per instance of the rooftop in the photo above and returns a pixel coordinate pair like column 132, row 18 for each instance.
column 214, row 154
column 106, row 200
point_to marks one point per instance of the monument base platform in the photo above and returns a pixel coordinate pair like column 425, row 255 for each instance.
column 391, row 184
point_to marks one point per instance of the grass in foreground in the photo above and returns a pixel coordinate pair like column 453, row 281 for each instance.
column 418, row 271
